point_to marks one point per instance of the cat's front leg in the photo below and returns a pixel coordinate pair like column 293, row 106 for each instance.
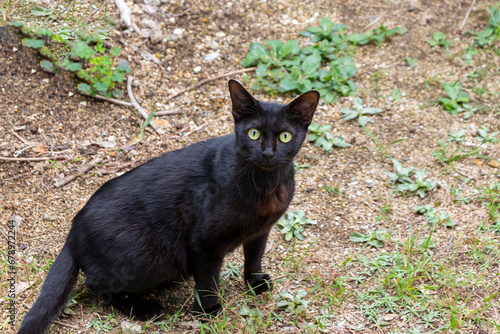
column 254, row 250
column 206, row 276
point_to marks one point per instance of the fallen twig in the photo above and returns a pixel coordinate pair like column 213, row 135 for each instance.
column 168, row 112
column 80, row 171
column 125, row 19
column 195, row 129
column 20, row 138
column 461, row 27
column 201, row 83
column 375, row 21
column 60, row 323
column 31, row 159
column 139, row 108
column 109, row 99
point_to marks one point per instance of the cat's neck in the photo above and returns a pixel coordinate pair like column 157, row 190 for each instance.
column 262, row 180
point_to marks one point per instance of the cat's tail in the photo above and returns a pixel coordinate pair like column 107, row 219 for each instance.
column 55, row 292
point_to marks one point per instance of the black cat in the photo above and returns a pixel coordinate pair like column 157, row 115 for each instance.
column 178, row 215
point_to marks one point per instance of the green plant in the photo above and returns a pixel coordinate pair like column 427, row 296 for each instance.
column 439, row 38
column 359, row 112
column 102, row 324
column 78, row 40
column 324, row 66
column 292, row 224
column 233, row 270
column 412, row 62
column 434, row 217
column 485, row 137
column 291, row 302
column 492, row 31
column 396, row 94
column 101, row 74
column 373, row 238
column 321, row 137
column 419, row 185
column 456, row 99
column 401, row 174
column 382, row 149
column 442, row 154
column 375, row 83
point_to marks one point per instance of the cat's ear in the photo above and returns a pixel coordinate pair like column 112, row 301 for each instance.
column 242, row 100
column 304, row 106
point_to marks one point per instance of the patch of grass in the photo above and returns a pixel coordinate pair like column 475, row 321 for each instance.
column 360, row 113
column 491, row 33
column 439, row 39
column 320, row 136
column 447, row 155
column 325, row 66
column 292, row 224
column 457, row 100
column 293, row 302
column 77, row 39
column 373, row 238
column 412, row 62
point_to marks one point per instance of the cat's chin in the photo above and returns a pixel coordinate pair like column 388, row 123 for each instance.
column 268, row 167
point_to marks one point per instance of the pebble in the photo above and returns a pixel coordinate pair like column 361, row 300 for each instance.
column 212, row 56
column 369, row 183
column 197, row 69
column 129, row 327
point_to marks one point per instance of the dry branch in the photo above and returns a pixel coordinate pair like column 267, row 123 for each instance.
column 82, row 170
column 138, row 107
column 31, row 159
column 108, row 99
column 125, row 19
column 201, row 83
column 461, row 27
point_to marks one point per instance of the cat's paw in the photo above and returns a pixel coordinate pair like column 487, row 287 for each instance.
column 149, row 309
column 260, row 283
column 206, row 312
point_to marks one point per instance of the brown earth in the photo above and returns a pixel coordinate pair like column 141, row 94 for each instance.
column 42, row 115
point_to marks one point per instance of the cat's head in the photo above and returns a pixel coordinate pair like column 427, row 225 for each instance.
column 270, row 134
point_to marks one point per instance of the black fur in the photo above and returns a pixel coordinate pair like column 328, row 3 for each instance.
column 178, row 215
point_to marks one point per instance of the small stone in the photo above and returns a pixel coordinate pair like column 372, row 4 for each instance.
column 156, row 35
column 145, row 33
column 70, row 94
column 178, row 32
column 129, row 327
column 212, row 56
column 45, row 80
column 171, row 20
column 197, row 69
column 33, row 71
column 83, row 103
column 14, row 49
column 494, row 163
column 369, row 183
column 136, row 83
column 173, row 37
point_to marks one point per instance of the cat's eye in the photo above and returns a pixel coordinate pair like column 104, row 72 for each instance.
column 285, row 136
column 254, row 134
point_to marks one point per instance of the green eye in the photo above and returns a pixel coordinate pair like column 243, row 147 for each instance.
column 254, row 134
column 285, row 136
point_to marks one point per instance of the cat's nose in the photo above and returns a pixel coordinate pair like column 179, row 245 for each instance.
column 268, row 153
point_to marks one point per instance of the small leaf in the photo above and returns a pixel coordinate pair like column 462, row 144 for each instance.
column 84, row 87
column 47, row 64
column 33, row 43
column 70, row 66
column 40, row 11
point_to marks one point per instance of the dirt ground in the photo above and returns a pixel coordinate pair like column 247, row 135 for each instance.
column 43, row 115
